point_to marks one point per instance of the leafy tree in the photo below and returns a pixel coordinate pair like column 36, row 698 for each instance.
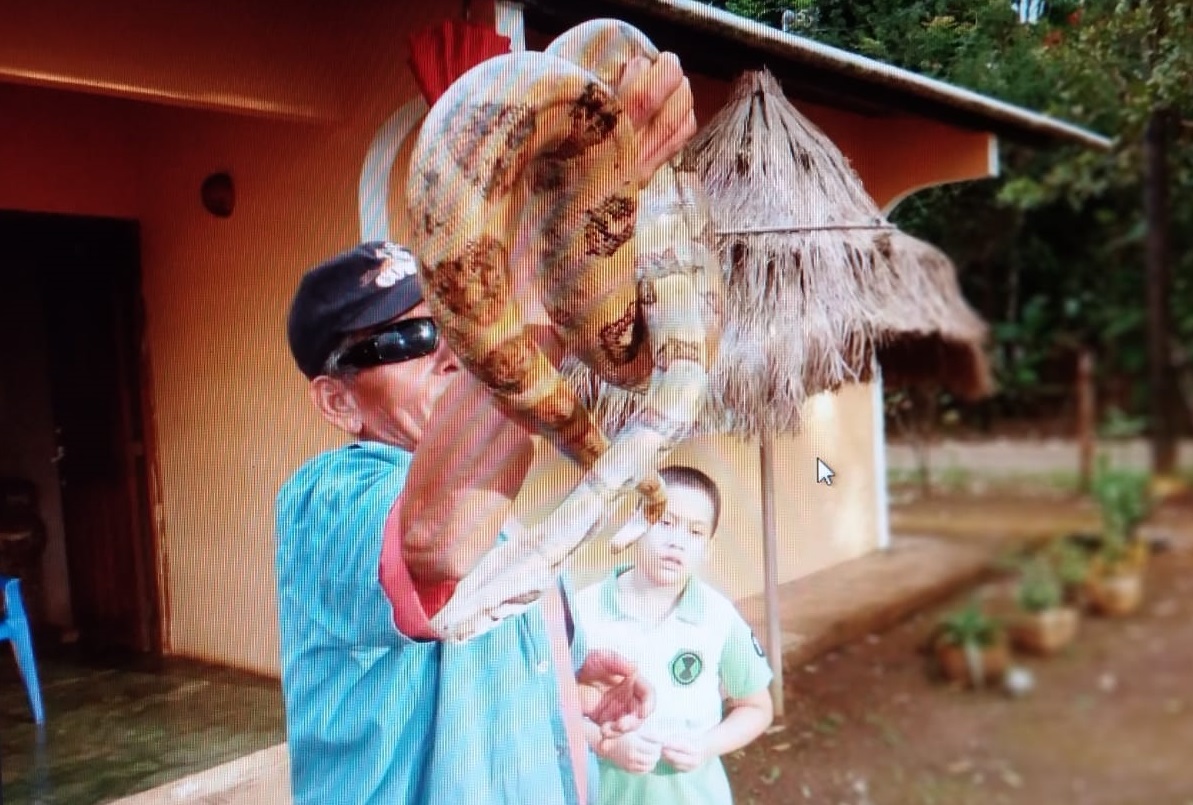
column 1051, row 253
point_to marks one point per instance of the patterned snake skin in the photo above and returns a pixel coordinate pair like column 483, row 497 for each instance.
column 627, row 274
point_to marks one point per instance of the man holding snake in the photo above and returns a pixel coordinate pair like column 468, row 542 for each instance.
column 372, row 536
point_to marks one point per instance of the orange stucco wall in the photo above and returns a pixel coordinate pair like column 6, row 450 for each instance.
column 271, row 59
column 68, row 153
column 231, row 415
column 233, row 418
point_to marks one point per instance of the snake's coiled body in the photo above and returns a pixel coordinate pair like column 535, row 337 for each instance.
column 628, row 276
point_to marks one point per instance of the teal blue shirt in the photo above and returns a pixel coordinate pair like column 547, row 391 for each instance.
column 375, row 717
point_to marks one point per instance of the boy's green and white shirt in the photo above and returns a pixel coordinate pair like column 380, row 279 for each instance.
column 703, row 652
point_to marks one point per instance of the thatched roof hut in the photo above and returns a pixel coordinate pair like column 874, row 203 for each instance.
column 817, row 281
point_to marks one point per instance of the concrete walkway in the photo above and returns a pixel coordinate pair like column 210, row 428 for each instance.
column 864, row 596
column 262, row 778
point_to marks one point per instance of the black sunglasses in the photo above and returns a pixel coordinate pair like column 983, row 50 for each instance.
column 402, row 341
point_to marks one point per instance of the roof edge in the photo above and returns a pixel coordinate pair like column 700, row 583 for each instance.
column 801, row 49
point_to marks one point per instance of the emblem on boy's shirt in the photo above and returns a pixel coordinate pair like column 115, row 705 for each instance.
column 757, row 646
column 686, row 667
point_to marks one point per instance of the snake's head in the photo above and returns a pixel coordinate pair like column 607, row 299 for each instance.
column 653, row 510
column 509, row 579
column 654, row 498
column 461, row 628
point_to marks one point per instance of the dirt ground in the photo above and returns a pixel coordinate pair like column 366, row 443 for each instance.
column 1108, row 722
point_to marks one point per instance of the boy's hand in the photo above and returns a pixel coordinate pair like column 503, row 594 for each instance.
column 658, row 99
column 686, row 751
column 612, row 695
column 633, row 752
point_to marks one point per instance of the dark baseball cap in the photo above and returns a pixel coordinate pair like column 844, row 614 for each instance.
column 355, row 290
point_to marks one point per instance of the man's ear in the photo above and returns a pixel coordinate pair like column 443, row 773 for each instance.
column 337, row 404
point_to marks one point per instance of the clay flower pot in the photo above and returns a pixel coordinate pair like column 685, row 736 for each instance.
column 1115, row 594
column 973, row 665
column 1114, row 586
column 1045, row 632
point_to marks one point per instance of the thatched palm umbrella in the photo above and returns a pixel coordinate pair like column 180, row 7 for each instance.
column 944, row 344
column 799, row 243
column 816, row 278
column 817, row 284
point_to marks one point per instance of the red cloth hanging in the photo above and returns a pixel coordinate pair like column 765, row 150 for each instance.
column 442, row 53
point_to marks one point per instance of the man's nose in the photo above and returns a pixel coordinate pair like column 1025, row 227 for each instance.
column 446, row 362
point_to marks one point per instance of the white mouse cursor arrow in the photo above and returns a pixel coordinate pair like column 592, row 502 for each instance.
column 824, row 473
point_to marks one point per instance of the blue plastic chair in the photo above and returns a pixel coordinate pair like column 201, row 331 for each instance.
column 15, row 627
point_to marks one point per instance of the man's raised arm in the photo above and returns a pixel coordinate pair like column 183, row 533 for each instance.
column 463, row 480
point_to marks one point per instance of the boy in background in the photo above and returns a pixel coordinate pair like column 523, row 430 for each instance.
column 691, row 644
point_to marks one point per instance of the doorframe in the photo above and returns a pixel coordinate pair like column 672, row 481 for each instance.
column 155, row 498
column 152, row 528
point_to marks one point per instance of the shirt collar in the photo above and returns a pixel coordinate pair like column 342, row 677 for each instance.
column 689, row 609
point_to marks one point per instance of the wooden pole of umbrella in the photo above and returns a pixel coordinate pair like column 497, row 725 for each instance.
column 770, row 559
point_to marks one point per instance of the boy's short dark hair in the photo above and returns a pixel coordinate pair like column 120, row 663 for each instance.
column 692, row 478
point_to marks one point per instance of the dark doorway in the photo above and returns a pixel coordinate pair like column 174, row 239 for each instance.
column 86, row 273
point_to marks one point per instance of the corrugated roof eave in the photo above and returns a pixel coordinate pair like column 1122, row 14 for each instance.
column 997, row 115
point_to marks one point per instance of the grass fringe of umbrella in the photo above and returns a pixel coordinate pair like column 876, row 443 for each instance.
column 816, row 280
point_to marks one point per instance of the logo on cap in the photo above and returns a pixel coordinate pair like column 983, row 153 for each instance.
column 398, row 263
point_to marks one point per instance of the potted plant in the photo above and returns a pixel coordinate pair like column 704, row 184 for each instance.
column 1114, row 585
column 971, row 647
column 1070, row 562
column 1044, row 624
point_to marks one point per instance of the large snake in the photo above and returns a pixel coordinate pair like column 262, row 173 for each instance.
column 627, row 274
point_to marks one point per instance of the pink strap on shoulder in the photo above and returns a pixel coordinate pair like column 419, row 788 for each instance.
column 569, row 692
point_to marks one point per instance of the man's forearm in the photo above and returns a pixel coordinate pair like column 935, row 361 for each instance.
column 462, row 483
column 465, row 475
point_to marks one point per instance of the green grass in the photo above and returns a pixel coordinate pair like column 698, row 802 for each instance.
column 890, row 735
column 961, row 479
column 830, row 724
